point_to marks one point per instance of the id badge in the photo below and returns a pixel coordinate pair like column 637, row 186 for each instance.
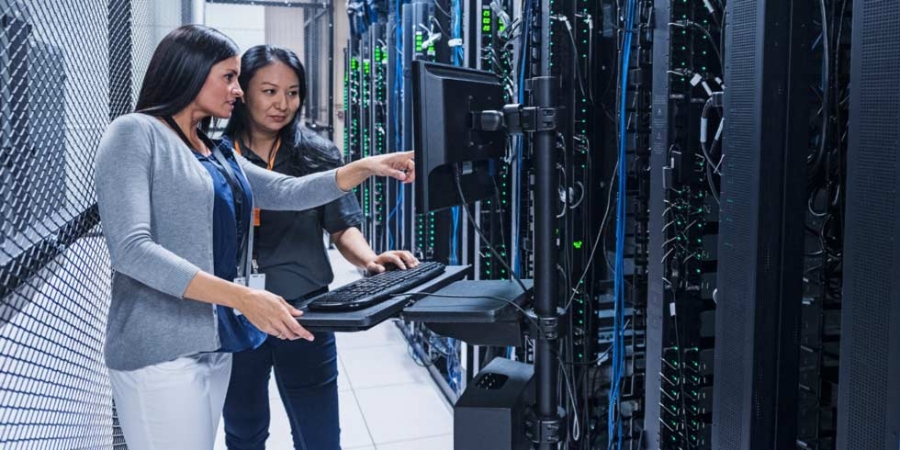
column 257, row 281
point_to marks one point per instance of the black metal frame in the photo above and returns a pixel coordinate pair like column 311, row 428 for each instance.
column 761, row 226
column 869, row 393
column 546, row 429
column 655, row 285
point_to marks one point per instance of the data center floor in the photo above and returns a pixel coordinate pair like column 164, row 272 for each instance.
column 387, row 402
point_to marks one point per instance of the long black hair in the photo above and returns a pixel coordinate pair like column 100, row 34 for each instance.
column 309, row 154
column 179, row 68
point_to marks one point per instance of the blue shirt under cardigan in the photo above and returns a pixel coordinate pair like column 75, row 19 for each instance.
column 235, row 332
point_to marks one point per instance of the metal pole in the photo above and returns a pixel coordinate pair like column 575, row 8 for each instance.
column 331, row 71
column 198, row 11
column 545, row 280
column 192, row 11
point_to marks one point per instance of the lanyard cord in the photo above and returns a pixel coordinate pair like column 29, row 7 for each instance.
column 272, row 152
column 270, row 165
column 237, row 190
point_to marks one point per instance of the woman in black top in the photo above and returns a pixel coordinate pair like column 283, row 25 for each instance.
column 266, row 129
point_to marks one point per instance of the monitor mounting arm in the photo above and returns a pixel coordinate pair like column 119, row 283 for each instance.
column 515, row 119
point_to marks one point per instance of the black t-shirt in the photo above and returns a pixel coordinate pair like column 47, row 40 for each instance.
column 289, row 245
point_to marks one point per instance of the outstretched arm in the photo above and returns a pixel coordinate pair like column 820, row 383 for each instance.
column 277, row 192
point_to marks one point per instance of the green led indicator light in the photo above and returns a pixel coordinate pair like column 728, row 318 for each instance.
column 577, row 244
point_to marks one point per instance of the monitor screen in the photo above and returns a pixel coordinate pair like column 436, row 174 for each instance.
column 446, row 144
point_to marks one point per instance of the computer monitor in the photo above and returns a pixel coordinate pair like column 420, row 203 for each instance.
column 445, row 138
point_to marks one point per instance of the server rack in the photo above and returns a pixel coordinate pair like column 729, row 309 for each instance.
column 869, row 396
column 760, row 233
column 684, row 214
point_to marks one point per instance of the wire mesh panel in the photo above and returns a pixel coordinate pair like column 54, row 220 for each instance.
column 67, row 67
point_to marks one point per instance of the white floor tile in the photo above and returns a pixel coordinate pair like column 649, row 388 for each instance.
column 279, row 427
column 385, row 398
column 435, row 443
column 220, row 437
column 404, row 412
column 385, row 333
column 342, row 382
column 354, row 432
column 274, row 396
column 382, row 366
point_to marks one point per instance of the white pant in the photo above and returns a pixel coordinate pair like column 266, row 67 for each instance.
column 173, row 405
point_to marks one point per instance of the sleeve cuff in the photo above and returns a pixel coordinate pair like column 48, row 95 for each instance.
column 179, row 277
column 336, row 186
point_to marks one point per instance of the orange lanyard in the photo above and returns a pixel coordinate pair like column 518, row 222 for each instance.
column 270, row 165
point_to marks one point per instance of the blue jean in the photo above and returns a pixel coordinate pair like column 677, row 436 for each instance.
column 306, row 375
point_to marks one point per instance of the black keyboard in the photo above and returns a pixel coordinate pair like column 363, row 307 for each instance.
column 376, row 288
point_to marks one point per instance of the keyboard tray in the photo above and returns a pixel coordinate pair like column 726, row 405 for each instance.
column 363, row 319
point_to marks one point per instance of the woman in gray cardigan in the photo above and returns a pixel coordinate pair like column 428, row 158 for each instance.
column 176, row 214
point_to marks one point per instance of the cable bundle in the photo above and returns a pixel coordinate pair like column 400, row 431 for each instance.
column 618, row 351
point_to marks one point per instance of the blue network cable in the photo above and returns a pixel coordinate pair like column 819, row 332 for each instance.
column 454, row 251
column 398, row 91
column 454, row 374
column 456, row 30
column 457, row 58
column 391, row 215
column 520, row 145
column 614, row 423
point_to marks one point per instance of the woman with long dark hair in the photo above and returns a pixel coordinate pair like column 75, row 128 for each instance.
column 176, row 212
column 266, row 129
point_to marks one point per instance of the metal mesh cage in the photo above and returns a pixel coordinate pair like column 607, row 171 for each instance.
column 67, row 67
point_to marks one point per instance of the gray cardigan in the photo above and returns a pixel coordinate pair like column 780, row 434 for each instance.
column 156, row 208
